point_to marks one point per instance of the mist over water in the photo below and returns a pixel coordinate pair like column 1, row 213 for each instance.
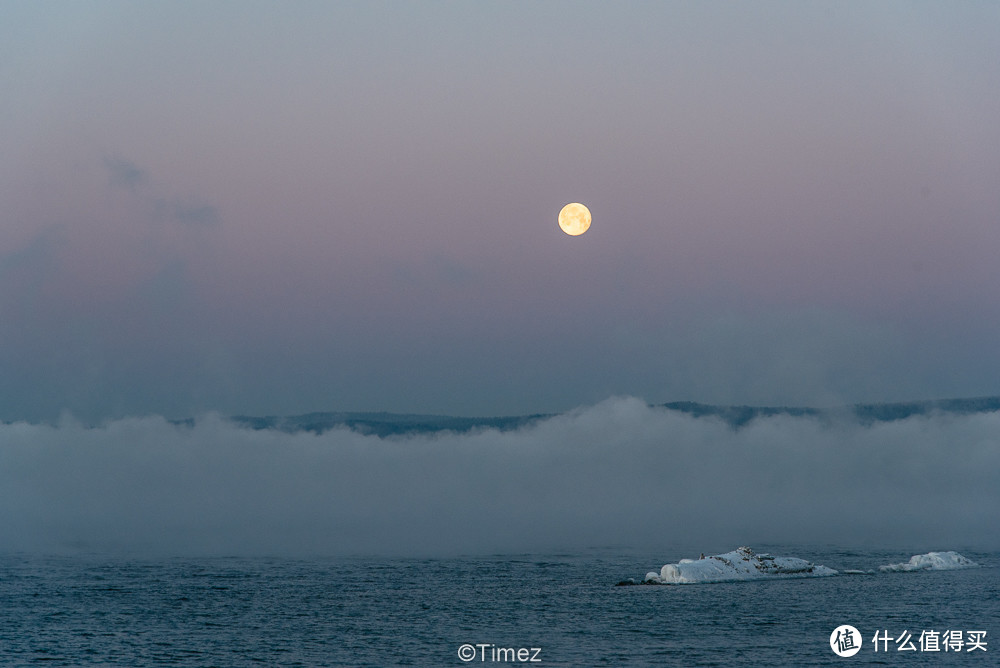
column 619, row 473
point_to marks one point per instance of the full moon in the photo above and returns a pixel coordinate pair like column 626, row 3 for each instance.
column 574, row 219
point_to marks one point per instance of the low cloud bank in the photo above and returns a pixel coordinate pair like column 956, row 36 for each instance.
column 619, row 473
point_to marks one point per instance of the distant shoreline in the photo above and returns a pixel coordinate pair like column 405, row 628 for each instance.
column 391, row 424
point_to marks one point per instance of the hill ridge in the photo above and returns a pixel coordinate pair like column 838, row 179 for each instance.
column 383, row 423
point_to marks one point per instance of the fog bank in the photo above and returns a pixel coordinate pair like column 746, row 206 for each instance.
column 619, row 473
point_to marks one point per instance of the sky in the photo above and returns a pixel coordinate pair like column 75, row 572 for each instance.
column 277, row 208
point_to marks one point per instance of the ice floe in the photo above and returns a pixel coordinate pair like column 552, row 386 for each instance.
column 745, row 564
column 932, row 561
column 740, row 564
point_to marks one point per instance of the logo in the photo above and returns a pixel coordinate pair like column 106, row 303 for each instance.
column 845, row 640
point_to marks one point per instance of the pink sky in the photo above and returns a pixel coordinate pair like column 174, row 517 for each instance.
column 247, row 208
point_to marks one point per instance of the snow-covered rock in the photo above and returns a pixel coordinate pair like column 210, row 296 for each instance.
column 740, row 564
column 932, row 561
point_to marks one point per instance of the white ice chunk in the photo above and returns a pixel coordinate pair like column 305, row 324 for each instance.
column 740, row 564
column 932, row 561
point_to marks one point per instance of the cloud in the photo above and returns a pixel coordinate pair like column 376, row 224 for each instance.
column 616, row 474
column 125, row 173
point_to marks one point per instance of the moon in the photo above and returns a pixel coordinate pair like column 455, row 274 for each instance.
column 574, row 219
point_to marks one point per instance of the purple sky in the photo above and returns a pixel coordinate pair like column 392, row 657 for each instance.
column 281, row 208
